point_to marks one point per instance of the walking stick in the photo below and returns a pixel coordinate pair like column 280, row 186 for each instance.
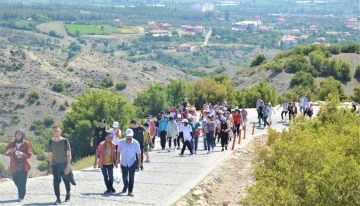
column 239, row 137
column 253, row 129
column 233, row 146
column 244, row 131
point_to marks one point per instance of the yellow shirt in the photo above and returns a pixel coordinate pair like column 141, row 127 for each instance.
column 147, row 139
column 108, row 158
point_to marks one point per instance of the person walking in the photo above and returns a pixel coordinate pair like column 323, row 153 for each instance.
column 187, row 132
column 162, row 129
column 152, row 129
column 116, row 133
column 138, row 135
column 244, row 115
column 128, row 154
column 209, row 128
column 196, row 128
column 60, row 163
column 265, row 113
column 147, row 142
column 19, row 152
column 285, row 107
column 237, row 118
column 107, row 159
column 224, row 133
column 302, row 102
column 180, row 136
column 271, row 111
column 99, row 134
column 260, row 113
column 204, row 133
column 172, row 132
column 259, row 101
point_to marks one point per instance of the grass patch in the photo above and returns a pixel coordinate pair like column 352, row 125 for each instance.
column 22, row 23
column 90, row 29
column 129, row 30
column 83, row 163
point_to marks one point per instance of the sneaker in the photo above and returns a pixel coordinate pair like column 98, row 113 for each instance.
column 208, row 152
column 213, row 150
column 20, row 200
column 181, row 154
column 147, row 160
column 178, row 148
column 142, row 168
column 67, row 197
column 130, row 194
column 113, row 190
column 124, row 190
column 169, row 150
column 225, row 148
column 137, row 169
column 205, row 149
column 57, row 202
column 195, row 152
column 222, row 149
column 107, row 192
column 191, row 154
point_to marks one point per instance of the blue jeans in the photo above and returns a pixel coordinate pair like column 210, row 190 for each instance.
column 128, row 171
column 194, row 143
column 107, row 171
column 205, row 142
column 20, row 179
column 210, row 140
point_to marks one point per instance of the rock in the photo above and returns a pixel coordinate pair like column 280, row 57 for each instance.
column 182, row 203
column 206, row 195
column 226, row 203
column 198, row 193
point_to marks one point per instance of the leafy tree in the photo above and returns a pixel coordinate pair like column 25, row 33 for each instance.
column 303, row 79
column 225, row 80
column 258, row 60
column 107, row 82
column 306, row 165
column 48, row 121
column 356, row 96
column 120, row 86
column 357, row 73
column 330, row 85
column 4, row 173
column 248, row 97
column 175, row 33
column 176, row 91
column 152, row 100
column 74, row 47
column 85, row 113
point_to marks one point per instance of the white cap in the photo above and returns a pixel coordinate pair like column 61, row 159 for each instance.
column 179, row 116
column 129, row 132
column 185, row 120
column 189, row 116
column 116, row 124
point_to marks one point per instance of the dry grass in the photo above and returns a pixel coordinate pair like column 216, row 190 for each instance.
column 130, row 30
column 83, row 163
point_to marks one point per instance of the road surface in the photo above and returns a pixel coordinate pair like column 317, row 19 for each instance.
column 165, row 180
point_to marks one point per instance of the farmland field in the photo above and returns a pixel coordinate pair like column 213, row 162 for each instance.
column 23, row 23
column 90, row 29
column 129, row 30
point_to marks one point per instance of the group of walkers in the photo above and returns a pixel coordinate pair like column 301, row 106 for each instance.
column 178, row 129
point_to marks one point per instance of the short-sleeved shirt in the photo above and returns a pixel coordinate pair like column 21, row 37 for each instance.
column 99, row 134
column 59, row 150
column 128, row 152
column 139, row 134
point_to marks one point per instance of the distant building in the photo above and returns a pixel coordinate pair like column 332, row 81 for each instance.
column 321, row 39
column 280, row 21
column 165, row 26
column 220, row 19
column 303, row 37
column 244, row 24
column 117, row 22
column 184, row 48
column 202, row 7
column 296, row 31
column 151, row 25
column 289, row 41
column 263, row 28
column 159, row 32
column 29, row 19
column 199, row 29
column 313, row 29
column 188, row 28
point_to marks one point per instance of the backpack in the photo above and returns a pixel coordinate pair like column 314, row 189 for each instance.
column 65, row 143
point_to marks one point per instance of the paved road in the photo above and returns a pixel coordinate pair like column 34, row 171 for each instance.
column 164, row 180
column 207, row 38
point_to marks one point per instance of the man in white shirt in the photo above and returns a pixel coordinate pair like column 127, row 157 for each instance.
column 187, row 133
column 302, row 103
column 285, row 107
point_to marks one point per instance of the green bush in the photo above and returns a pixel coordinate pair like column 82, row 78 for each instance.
column 48, row 121
column 4, row 173
column 330, row 85
column 258, row 60
column 43, row 166
column 2, row 149
column 41, row 156
column 33, row 97
column 15, row 119
column 120, row 86
column 58, row 87
column 107, row 82
column 302, row 79
column 248, row 97
column 356, row 96
column 357, row 73
column 315, row 162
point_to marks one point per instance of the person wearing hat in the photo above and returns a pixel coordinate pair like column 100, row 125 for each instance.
column 172, row 132
column 196, row 128
column 19, row 152
column 162, row 129
column 128, row 151
column 223, row 132
column 209, row 128
column 107, row 158
column 237, row 118
column 203, row 122
column 184, row 104
column 265, row 113
column 180, row 136
column 147, row 142
column 116, row 132
column 99, row 135
column 187, row 132
column 152, row 129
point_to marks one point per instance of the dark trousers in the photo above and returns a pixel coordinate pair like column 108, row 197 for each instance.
column 163, row 139
column 265, row 121
column 153, row 140
column 20, row 179
column 128, row 171
column 282, row 113
column 188, row 145
column 58, row 170
column 169, row 139
column 224, row 139
column 142, row 153
column 180, row 137
column 107, row 172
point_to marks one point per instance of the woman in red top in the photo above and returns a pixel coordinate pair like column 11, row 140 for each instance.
column 19, row 152
column 237, row 121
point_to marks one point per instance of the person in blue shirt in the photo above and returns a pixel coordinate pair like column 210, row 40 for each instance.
column 129, row 150
column 162, row 129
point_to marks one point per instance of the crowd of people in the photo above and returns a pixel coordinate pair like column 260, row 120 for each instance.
column 178, row 129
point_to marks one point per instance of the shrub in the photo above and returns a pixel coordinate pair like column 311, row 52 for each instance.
column 315, row 162
column 43, row 166
column 62, row 107
column 15, row 119
column 303, row 79
column 120, row 86
column 41, row 156
column 58, row 87
column 356, row 96
column 258, row 60
column 2, row 149
column 330, row 85
column 107, row 82
column 48, row 121
column 33, row 97
column 21, row 95
column 357, row 73
column 4, row 173
column 248, row 97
